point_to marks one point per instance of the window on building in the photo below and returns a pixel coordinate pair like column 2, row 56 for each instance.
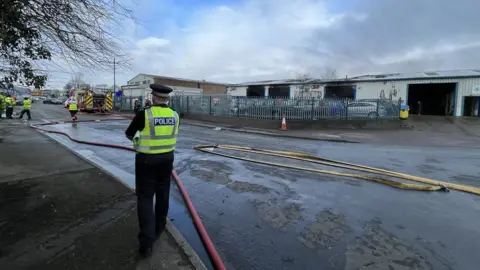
column 144, row 82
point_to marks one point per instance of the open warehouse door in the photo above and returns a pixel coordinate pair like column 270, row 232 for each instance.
column 431, row 98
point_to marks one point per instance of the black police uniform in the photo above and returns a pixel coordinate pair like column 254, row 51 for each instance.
column 153, row 174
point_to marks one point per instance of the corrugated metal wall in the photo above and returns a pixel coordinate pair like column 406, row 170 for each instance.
column 399, row 89
column 379, row 89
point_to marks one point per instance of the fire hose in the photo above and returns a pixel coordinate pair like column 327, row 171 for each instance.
column 206, row 240
column 433, row 185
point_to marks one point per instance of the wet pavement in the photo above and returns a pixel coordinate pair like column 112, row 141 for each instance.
column 260, row 217
column 57, row 211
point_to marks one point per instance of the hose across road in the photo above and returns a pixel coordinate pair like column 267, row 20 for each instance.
column 432, row 185
column 207, row 242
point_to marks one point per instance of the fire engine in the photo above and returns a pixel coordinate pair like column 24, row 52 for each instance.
column 89, row 101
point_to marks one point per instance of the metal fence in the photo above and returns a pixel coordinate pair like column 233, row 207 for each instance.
column 126, row 103
column 296, row 108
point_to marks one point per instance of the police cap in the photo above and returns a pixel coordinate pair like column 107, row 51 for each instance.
column 160, row 90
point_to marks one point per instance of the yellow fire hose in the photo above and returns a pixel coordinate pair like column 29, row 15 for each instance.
column 435, row 185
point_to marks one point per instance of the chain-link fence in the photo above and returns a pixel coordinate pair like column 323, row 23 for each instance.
column 297, row 108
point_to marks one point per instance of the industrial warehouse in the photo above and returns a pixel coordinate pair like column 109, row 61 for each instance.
column 452, row 92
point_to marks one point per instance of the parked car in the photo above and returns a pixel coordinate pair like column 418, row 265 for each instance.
column 392, row 107
column 55, row 101
column 365, row 109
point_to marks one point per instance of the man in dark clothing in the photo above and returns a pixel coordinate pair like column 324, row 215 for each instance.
column 136, row 106
column 153, row 132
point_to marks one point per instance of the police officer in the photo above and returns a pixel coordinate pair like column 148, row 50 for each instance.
column 27, row 104
column 10, row 104
column 154, row 134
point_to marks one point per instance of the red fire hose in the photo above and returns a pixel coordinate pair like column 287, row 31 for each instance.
column 207, row 242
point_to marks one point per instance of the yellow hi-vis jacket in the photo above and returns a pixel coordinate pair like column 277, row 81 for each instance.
column 160, row 132
column 10, row 102
column 72, row 105
column 27, row 104
column 2, row 102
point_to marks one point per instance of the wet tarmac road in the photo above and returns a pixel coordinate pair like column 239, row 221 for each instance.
column 261, row 217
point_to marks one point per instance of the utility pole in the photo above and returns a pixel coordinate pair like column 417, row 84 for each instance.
column 114, row 90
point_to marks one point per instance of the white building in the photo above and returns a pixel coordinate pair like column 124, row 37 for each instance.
column 139, row 86
column 454, row 92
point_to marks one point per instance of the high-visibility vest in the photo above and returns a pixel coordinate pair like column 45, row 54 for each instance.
column 72, row 105
column 2, row 101
column 27, row 104
column 160, row 132
column 10, row 102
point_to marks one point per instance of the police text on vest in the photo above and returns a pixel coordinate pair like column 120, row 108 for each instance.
column 164, row 121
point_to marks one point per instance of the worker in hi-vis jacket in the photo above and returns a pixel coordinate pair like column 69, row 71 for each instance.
column 154, row 134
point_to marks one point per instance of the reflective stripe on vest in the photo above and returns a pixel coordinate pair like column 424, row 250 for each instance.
column 160, row 132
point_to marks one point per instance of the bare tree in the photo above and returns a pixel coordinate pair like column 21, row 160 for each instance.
column 75, row 82
column 81, row 32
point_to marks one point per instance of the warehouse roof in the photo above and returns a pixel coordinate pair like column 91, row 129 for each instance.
column 441, row 74
column 180, row 79
column 461, row 73
column 277, row 82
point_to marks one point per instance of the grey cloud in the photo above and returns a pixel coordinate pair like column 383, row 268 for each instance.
column 395, row 27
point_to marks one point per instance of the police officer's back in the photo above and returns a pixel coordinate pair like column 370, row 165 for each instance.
column 153, row 132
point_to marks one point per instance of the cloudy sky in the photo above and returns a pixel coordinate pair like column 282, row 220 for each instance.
column 245, row 40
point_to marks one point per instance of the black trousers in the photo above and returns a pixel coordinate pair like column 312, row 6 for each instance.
column 73, row 113
column 152, row 173
column 9, row 112
column 28, row 113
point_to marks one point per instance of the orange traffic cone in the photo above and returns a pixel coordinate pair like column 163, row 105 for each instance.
column 284, row 123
